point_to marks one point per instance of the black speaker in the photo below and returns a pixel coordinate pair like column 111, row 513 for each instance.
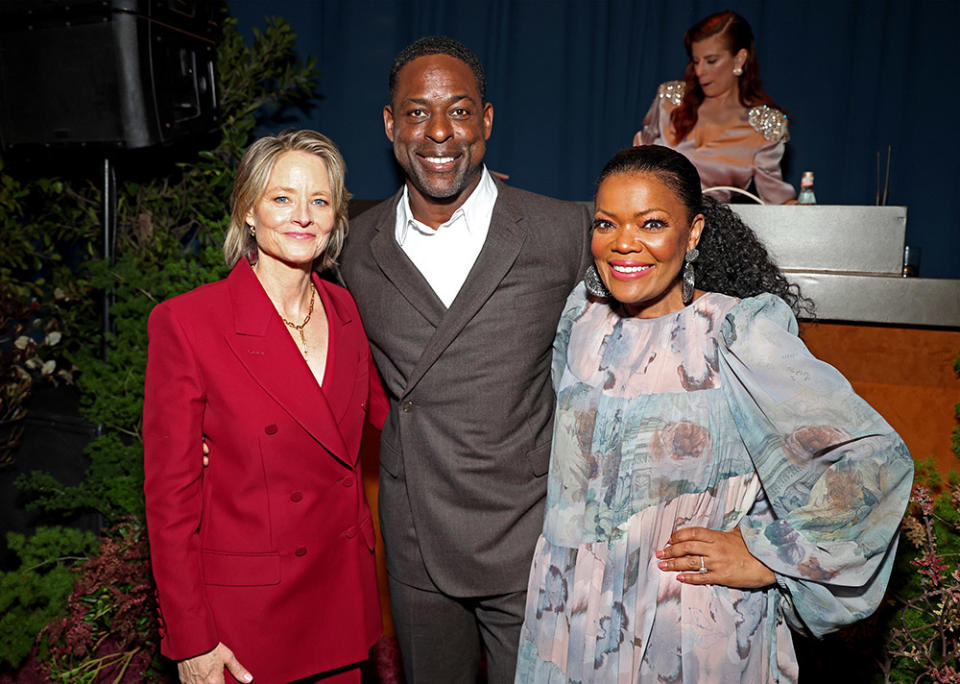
column 107, row 73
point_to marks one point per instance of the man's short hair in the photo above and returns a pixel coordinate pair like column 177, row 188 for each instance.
column 438, row 45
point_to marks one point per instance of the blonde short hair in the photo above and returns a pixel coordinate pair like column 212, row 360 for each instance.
column 251, row 182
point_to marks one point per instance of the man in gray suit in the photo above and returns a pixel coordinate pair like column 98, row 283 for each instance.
column 460, row 281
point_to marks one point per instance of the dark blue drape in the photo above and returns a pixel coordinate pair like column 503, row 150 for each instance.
column 571, row 81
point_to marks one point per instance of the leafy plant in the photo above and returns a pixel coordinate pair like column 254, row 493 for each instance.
column 22, row 341
column 35, row 592
column 34, row 285
column 923, row 637
column 109, row 630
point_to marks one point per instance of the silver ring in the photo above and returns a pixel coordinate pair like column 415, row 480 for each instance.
column 703, row 566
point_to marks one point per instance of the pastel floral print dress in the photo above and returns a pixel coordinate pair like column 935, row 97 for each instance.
column 714, row 416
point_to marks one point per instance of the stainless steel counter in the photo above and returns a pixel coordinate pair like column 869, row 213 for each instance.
column 848, row 259
column 830, row 237
column 882, row 299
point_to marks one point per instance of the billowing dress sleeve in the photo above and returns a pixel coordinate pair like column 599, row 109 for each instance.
column 836, row 475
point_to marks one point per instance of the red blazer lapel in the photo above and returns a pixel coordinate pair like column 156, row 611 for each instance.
column 342, row 357
column 265, row 349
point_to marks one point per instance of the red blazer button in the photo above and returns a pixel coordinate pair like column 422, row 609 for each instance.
column 271, row 429
column 348, row 481
column 363, row 405
column 351, row 532
column 296, row 496
column 301, row 551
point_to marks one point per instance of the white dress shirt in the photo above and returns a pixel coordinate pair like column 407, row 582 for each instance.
column 445, row 256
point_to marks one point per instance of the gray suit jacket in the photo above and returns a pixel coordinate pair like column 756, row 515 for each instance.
column 466, row 445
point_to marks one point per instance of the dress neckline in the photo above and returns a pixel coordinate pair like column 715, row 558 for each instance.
column 672, row 314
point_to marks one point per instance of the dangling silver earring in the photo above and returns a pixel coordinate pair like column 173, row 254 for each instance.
column 688, row 275
column 253, row 231
column 595, row 286
column 737, row 71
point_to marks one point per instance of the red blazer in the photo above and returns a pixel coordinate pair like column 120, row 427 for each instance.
column 270, row 548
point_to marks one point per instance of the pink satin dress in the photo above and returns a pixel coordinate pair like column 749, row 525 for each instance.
column 735, row 155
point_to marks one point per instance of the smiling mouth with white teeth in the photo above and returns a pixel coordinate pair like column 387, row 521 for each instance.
column 630, row 269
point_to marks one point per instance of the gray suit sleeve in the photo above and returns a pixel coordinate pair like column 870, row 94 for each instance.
column 586, row 258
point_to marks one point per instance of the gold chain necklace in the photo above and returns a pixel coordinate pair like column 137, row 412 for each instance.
column 299, row 328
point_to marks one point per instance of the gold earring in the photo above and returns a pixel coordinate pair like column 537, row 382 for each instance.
column 737, row 71
column 253, row 231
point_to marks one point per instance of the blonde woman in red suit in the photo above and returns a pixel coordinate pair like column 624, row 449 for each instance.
column 264, row 560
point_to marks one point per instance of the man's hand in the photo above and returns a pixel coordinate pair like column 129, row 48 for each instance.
column 207, row 668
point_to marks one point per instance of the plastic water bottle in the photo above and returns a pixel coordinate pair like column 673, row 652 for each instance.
column 806, row 195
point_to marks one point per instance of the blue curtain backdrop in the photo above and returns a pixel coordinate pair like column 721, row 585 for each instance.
column 571, row 81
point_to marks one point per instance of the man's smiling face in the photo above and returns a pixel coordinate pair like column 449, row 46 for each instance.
column 439, row 126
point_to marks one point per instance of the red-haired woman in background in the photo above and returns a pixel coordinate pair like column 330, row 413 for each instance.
column 719, row 116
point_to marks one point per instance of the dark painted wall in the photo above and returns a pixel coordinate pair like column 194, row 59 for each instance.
column 571, row 81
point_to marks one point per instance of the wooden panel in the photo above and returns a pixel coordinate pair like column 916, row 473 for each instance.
column 904, row 373
column 370, row 457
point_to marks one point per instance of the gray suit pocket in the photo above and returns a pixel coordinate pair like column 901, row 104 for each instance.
column 539, row 459
column 390, row 460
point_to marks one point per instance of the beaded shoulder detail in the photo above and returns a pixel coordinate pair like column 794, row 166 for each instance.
column 769, row 122
column 671, row 90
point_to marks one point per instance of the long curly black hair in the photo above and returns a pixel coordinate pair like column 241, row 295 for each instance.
column 733, row 260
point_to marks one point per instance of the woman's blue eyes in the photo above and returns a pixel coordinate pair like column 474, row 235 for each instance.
column 282, row 199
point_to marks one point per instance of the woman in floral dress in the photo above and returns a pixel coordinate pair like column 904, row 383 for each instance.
column 712, row 485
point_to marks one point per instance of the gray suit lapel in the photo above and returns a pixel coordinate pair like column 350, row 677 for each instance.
column 500, row 250
column 400, row 271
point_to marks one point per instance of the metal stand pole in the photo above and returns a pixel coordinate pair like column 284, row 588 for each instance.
column 109, row 241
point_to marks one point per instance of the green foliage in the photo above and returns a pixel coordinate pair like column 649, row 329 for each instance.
column 261, row 79
column 112, row 485
column 36, row 220
column 37, row 590
column 38, row 223
column 923, row 629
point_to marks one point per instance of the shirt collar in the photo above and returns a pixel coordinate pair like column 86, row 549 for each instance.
column 478, row 204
